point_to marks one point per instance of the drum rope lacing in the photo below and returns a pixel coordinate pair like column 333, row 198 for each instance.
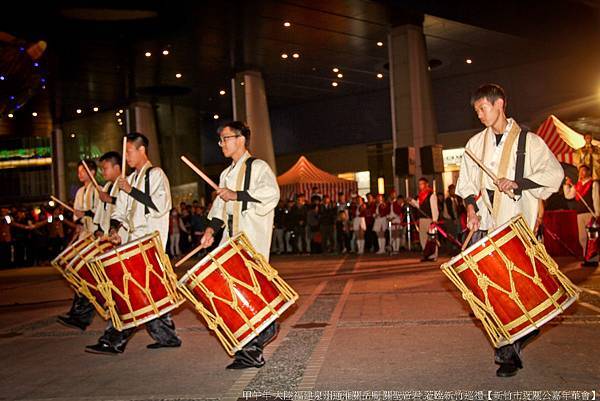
column 167, row 278
column 484, row 310
column 213, row 319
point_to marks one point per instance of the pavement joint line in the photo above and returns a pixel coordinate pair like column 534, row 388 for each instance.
column 315, row 362
column 236, row 390
column 590, row 306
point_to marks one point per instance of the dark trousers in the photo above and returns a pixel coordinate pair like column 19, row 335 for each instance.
column 327, row 238
column 161, row 329
column 5, row 255
column 81, row 310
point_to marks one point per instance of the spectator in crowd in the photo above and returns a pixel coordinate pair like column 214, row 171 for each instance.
column 312, row 221
column 358, row 212
column 5, row 239
column 586, row 195
column 198, row 223
column 370, row 211
column 342, row 228
column 176, row 227
column 298, row 216
column 382, row 212
column 454, row 208
column 327, row 218
column 278, row 244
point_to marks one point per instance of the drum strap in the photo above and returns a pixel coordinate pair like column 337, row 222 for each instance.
column 247, row 177
column 520, row 164
column 147, row 188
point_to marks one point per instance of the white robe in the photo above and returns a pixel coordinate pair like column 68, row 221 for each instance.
column 86, row 200
column 104, row 210
column 257, row 220
column 540, row 167
column 131, row 213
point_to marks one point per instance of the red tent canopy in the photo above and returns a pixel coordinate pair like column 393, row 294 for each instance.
column 304, row 176
column 561, row 139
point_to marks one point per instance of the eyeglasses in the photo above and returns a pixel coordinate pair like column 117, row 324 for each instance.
column 225, row 138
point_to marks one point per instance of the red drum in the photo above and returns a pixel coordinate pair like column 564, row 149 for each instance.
column 237, row 292
column 61, row 262
column 85, row 281
column 510, row 282
column 137, row 281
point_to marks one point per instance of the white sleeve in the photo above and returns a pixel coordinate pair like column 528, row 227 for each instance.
column 263, row 188
column 160, row 192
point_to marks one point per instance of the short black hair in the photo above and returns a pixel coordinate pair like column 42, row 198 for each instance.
column 112, row 157
column 138, row 140
column 424, row 179
column 239, row 128
column 90, row 163
column 585, row 166
column 491, row 92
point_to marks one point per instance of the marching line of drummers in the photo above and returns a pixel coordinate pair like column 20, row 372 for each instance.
column 119, row 269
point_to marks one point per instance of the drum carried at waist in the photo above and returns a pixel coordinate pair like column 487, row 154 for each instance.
column 83, row 277
column 137, row 281
column 510, row 282
column 237, row 292
column 73, row 264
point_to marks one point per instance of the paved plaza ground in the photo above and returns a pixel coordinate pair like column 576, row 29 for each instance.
column 377, row 327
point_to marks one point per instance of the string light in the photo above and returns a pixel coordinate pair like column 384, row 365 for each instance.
column 468, row 61
column 287, row 24
column 334, row 84
column 165, row 52
column 34, row 114
column 380, row 44
column 95, row 109
column 216, row 116
column 222, row 92
column 336, row 69
column 380, row 75
column 10, row 115
column 295, row 55
column 78, row 111
column 340, row 75
column 178, row 75
column 284, row 55
column 147, row 54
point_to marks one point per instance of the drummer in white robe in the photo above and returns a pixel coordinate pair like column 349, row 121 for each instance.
column 110, row 165
column 246, row 199
column 81, row 314
column 142, row 207
column 488, row 205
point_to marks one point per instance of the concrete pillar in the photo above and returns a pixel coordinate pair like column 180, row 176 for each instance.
column 59, row 187
column 413, row 116
column 250, row 105
column 140, row 118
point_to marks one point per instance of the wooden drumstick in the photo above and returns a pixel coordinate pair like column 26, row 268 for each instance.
column 124, row 161
column 89, row 172
column 464, row 245
column 63, row 204
column 200, row 173
column 489, row 172
column 189, row 255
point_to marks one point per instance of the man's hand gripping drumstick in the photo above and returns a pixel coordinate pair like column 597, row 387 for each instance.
column 504, row 184
column 208, row 237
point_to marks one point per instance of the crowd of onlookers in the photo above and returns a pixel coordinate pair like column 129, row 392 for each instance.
column 316, row 224
column 305, row 225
